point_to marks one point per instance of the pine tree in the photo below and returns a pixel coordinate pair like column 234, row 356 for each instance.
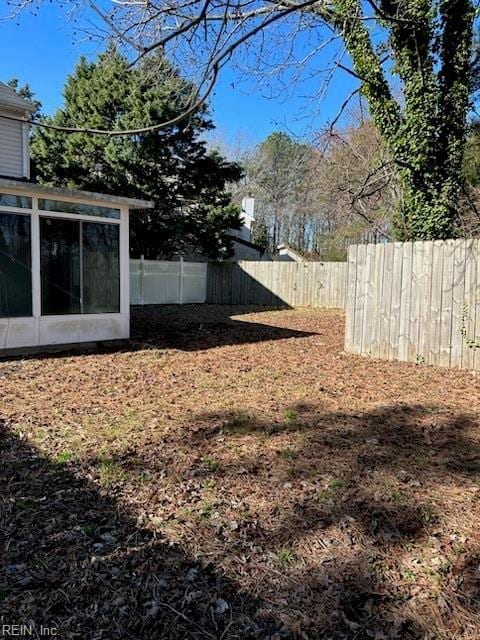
column 172, row 167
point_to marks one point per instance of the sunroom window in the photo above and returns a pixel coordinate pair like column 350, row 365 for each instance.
column 60, row 266
column 15, row 266
column 101, row 267
column 80, row 267
column 11, row 200
column 76, row 207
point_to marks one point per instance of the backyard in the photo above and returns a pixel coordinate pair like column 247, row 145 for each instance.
column 234, row 474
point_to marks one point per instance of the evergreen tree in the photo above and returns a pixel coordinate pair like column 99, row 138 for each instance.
column 172, row 167
column 26, row 93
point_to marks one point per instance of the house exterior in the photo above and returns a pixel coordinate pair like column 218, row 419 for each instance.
column 248, row 219
column 14, row 156
column 244, row 248
column 64, row 254
column 287, row 254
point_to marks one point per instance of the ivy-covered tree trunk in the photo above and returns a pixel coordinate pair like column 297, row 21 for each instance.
column 431, row 47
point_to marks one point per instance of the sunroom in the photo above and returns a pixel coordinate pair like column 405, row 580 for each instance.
column 64, row 254
column 64, row 265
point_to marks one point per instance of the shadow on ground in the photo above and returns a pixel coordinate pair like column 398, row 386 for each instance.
column 418, row 445
column 74, row 556
column 184, row 327
column 199, row 327
column 72, row 559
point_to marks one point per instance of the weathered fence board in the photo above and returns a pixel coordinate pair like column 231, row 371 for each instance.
column 350, row 304
column 315, row 284
column 415, row 301
column 458, row 298
column 405, row 302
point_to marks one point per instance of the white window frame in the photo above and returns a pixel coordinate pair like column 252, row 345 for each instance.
column 25, row 212
column 35, row 213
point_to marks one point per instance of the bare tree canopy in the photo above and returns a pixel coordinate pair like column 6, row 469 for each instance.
column 286, row 40
column 319, row 198
column 411, row 58
column 202, row 37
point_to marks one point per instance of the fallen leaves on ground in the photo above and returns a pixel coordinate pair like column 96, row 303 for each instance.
column 234, row 474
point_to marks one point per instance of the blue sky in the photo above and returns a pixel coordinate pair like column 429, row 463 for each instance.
column 43, row 49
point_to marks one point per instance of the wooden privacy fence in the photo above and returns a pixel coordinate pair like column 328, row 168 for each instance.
column 316, row 284
column 418, row 302
column 167, row 282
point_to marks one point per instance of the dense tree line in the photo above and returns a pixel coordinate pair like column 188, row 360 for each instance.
column 344, row 188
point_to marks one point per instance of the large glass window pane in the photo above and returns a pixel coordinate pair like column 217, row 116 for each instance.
column 15, row 266
column 101, row 267
column 75, row 207
column 10, row 200
column 60, row 266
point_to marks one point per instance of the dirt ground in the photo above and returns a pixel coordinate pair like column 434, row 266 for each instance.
column 231, row 474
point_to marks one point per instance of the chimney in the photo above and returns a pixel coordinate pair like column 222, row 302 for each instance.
column 248, row 208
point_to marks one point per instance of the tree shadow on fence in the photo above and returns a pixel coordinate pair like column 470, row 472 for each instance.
column 229, row 284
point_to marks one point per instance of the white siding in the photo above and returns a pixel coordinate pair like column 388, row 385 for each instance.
column 11, row 148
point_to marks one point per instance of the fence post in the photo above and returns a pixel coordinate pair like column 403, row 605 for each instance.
column 142, row 279
column 181, row 281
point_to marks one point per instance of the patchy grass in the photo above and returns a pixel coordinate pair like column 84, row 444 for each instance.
column 211, row 465
column 207, row 508
column 110, row 472
column 63, row 457
column 330, row 492
column 88, row 529
column 285, row 557
column 291, row 417
column 237, row 475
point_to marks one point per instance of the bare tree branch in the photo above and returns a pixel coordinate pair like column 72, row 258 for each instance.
column 219, row 56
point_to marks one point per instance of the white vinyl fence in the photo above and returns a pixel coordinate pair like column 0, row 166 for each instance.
column 165, row 282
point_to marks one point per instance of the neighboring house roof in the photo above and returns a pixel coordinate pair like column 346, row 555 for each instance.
column 38, row 189
column 11, row 100
column 285, row 250
column 246, row 243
